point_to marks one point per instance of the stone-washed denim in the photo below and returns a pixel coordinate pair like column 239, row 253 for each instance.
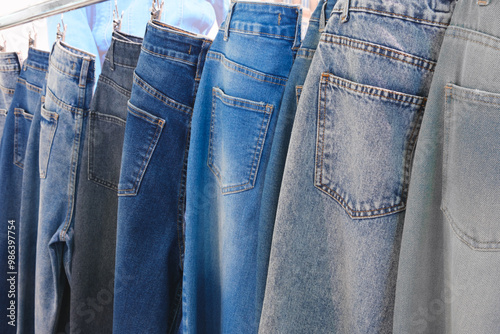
column 335, row 247
column 233, row 125
column 277, row 158
column 64, row 115
column 26, row 102
column 28, row 223
column 449, row 267
column 96, row 207
column 151, row 190
column 9, row 71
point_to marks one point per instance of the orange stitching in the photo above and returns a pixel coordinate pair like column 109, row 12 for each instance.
column 166, row 56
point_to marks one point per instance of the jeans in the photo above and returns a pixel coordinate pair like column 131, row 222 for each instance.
column 96, row 206
column 450, row 261
column 9, row 71
column 279, row 149
column 149, row 246
column 233, row 125
column 335, row 246
column 26, row 101
column 70, row 84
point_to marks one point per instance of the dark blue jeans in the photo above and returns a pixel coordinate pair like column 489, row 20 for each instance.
column 9, row 71
column 149, row 246
column 96, row 205
column 25, row 104
column 70, row 84
column 233, row 125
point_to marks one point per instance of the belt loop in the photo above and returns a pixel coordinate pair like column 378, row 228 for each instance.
column 298, row 34
column 228, row 20
column 201, row 58
column 483, row 2
column 84, row 72
column 111, row 52
column 322, row 18
column 345, row 12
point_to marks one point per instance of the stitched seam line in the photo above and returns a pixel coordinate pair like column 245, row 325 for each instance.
column 114, row 85
column 9, row 91
column 62, row 71
column 448, row 215
column 116, row 63
column 230, row 99
column 63, row 105
column 29, row 86
column 343, row 83
column 168, row 57
column 252, row 32
column 238, row 68
column 35, row 67
column 161, row 97
column 391, row 14
column 430, row 68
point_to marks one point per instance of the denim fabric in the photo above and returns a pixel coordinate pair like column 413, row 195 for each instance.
column 277, row 158
column 26, row 101
column 70, row 84
column 9, row 71
column 233, row 124
column 449, row 263
column 28, row 223
column 96, row 204
column 335, row 247
column 149, row 246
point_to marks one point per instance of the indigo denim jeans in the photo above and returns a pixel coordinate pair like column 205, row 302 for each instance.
column 9, row 72
column 233, row 125
column 337, row 233
column 151, row 190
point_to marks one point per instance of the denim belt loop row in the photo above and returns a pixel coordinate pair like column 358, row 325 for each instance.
column 228, row 20
column 298, row 35
column 345, row 12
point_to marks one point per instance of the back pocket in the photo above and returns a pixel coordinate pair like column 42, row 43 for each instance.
column 22, row 130
column 471, row 173
column 364, row 145
column 48, row 126
column 105, row 144
column 237, row 134
column 142, row 133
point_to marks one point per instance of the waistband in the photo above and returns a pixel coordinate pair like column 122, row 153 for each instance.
column 72, row 62
column 124, row 50
column 37, row 59
column 432, row 12
column 169, row 42
column 9, row 61
column 272, row 20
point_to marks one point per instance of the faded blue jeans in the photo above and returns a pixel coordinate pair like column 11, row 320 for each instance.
column 449, row 266
column 96, row 206
column 335, row 246
column 25, row 104
column 282, row 133
column 233, row 125
column 9, row 71
column 64, row 116
column 151, row 190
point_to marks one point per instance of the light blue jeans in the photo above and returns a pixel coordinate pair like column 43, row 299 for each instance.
column 70, row 84
column 25, row 105
column 335, row 247
column 233, row 124
column 449, row 266
column 9, row 71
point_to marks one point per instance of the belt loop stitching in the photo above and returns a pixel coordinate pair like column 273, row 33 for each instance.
column 228, row 20
column 322, row 18
column 345, row 11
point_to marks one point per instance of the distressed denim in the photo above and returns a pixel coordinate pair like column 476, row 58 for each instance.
column 277, row 158
column 337, row 233
column 26, row 102
column 96, row 206
column 234, row 119
column 450, row 262
column 9, row 72
column 149, row 246
column 64, row 115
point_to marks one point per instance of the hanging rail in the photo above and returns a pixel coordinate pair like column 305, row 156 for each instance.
column 41, row 10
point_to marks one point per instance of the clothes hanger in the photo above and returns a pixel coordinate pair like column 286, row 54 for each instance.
column 117, row 20
column 156, row 9
column 61, row 34
column 32, row 40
